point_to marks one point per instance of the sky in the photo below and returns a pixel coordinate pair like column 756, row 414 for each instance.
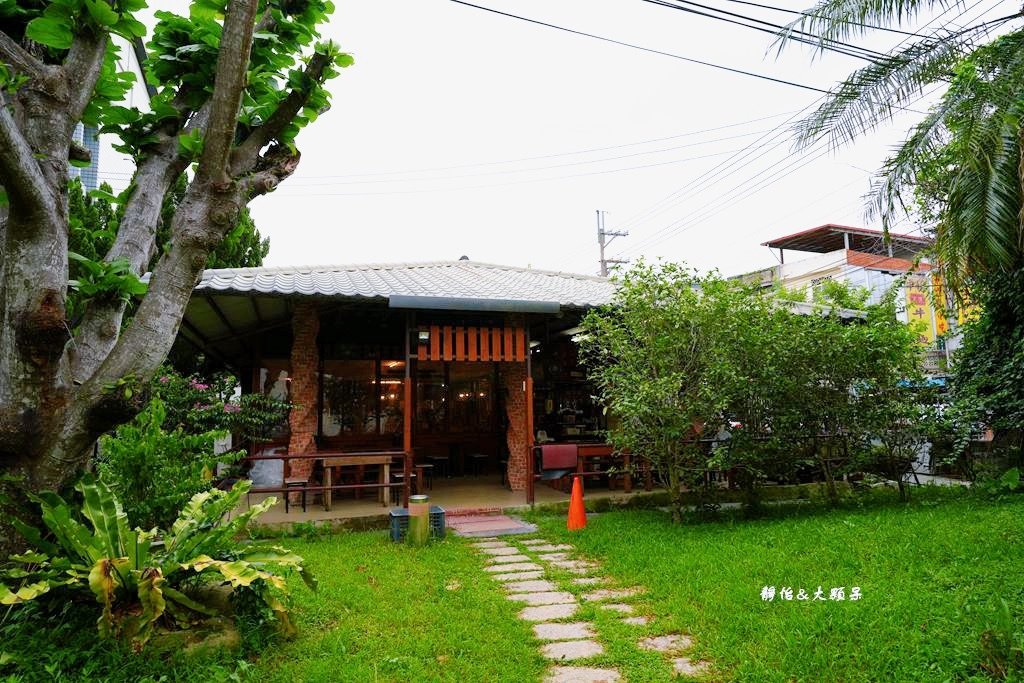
column 463, row 132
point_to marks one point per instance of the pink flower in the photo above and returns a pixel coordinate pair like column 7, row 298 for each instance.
column 165, row 379
column 199, row 386
column 232, row 408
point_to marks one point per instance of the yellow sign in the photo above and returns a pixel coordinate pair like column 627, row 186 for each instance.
column 919, row 308
column 939, row 297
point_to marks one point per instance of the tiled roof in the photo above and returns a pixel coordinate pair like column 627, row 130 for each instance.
column 450, row 279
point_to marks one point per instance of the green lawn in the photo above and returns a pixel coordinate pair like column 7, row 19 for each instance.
column 386, row 612
column 931, row 575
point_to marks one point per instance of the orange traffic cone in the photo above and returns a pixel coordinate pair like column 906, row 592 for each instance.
column 577, row 513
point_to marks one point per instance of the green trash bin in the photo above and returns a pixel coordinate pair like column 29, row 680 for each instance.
column 419, row 520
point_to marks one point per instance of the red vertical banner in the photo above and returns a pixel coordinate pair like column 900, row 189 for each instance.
column 460, row 343
column 472, row 336
column 496, row 344
column 435, row 342
column 485, row 343
column 449, row 342
column 520, row 344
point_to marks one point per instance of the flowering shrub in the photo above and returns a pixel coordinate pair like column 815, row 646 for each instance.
column 166, row 455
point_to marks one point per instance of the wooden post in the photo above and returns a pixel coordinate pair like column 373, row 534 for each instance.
column 529, row 420
column 407, row 416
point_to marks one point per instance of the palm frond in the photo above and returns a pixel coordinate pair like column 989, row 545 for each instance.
column 844, row 19
column 871, row 95
column 977, row 125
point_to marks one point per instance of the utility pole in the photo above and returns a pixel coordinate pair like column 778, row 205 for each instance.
column 604, row 238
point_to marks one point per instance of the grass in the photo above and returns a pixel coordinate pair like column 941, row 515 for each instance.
column 932, row 575
column 386, row 612
column 383, row 612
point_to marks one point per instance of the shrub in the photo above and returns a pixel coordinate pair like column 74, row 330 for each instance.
column 144, row 579
column 155, row 472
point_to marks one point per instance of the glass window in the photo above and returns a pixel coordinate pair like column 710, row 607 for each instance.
column 392, row 396
column 472, row 389
column 274, row 381
column 431, row 398
column 350, row 403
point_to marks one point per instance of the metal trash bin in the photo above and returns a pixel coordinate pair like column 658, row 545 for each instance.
column 400, row 523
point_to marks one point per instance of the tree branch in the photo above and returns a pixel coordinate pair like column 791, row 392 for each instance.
column 245, row 155
column 135, row 241
column 232, row 66
column 273, row 167
column 23, row 180
column 82, row 69
column 15, row 55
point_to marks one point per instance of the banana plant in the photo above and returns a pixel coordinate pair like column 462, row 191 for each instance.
column 136, row 581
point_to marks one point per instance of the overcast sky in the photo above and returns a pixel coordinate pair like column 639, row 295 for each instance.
column 462, row 132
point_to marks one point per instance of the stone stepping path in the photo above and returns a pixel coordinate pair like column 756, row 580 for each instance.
column 523, row 566
column 487, row 526
column 579, row 674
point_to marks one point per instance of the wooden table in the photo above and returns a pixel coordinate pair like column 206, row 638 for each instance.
column 332, row 461
column 606, row 451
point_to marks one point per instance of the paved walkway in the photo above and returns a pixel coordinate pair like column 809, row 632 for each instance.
column 552, row 583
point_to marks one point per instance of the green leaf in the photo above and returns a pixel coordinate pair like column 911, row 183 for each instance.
column 130, row 28
column 101, row 12
column 105, row 196
column 23, row 594
column 80, row 163
column 50, row 32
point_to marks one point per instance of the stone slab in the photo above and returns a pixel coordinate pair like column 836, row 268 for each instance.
column 580, row 674
column 577, row 630
column 573, row 564
column 518, row 576
column 672, row 642
column 500, row 550
column 589, row 580
column 610, row 594
column 685, row 667
column 551, row 548
column 637, row 621
column 514, row 567
column 491, row 544
column 619, row 607
column 544, row 598
column 507, row 559
column 535, row 541
column 572, row 649
column 553, row 557
column 530, row 586
column 548, row 612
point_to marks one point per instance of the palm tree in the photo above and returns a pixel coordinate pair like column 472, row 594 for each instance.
column 963, row 157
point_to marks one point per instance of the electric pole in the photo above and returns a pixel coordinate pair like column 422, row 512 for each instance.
column 604, row 238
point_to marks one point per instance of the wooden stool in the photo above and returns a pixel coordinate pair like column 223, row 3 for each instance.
column 295, row 483
column 478, row 463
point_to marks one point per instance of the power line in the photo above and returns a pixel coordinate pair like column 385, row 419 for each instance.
column 681, row 194
column 517, row 182
column 534, row 169
column 773, row 29
column 808, row 14
column 642, row 48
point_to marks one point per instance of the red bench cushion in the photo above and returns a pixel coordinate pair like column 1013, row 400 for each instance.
column 558, row 456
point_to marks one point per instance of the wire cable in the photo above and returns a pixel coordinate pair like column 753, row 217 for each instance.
column 642, row 48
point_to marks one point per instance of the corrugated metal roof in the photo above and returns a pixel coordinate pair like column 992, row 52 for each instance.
column 455, row 279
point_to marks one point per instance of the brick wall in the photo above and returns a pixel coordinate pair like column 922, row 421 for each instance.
column 513, row 375
column 305, row 362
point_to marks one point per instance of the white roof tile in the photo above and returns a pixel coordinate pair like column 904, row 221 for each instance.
column 455, row 279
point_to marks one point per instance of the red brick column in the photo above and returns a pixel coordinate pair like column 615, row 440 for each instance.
column 513, row 379
column 305, row 362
